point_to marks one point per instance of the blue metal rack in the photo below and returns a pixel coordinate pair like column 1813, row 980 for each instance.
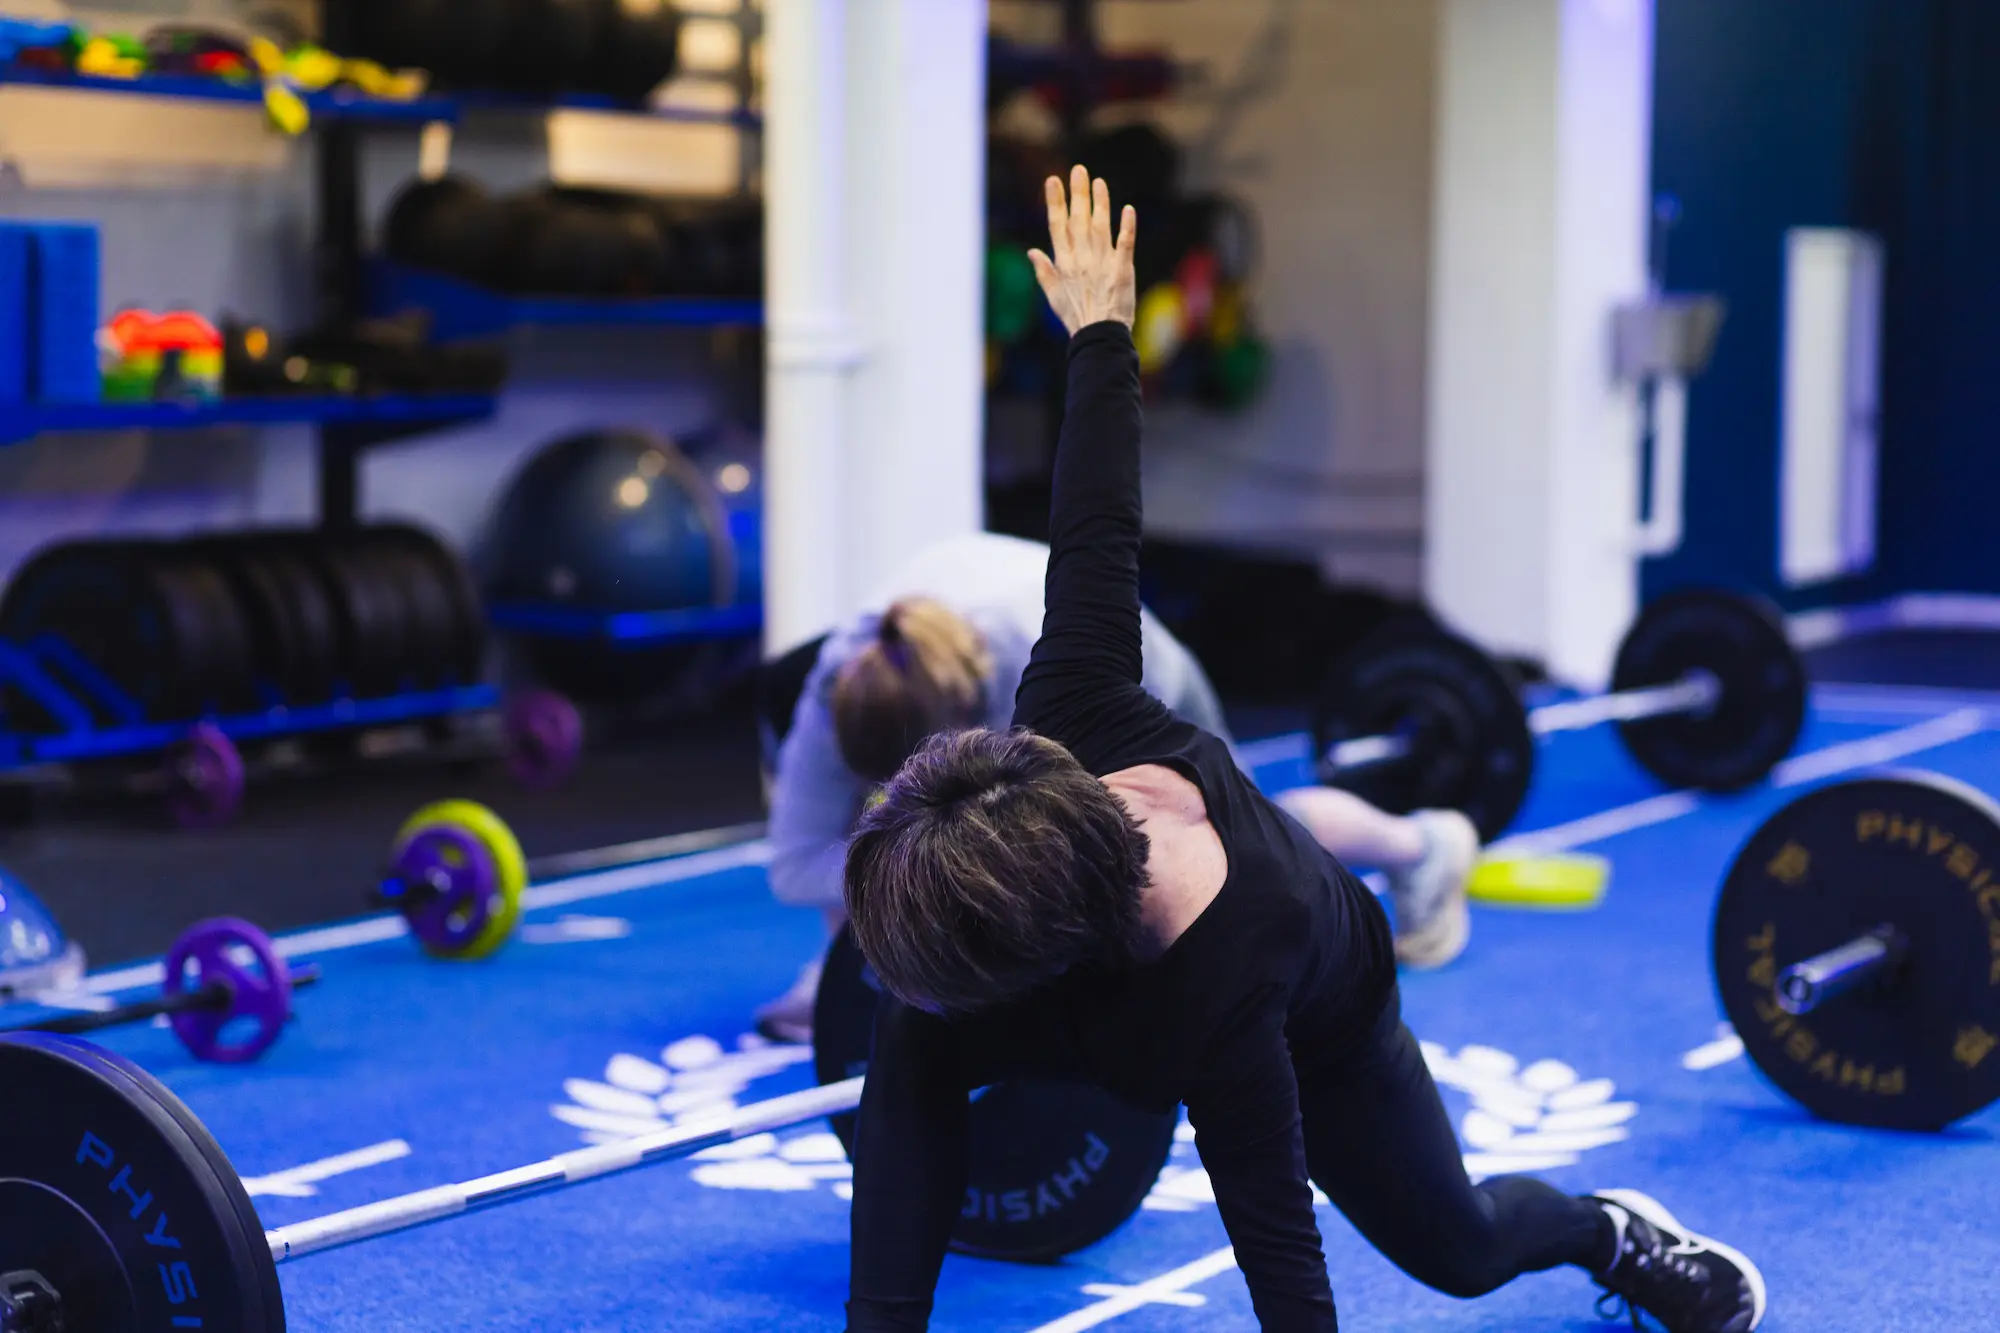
column 355, row 108
column 95, row 719
column 461, row 310
column 630, row 629
column 21, row 421
column 189, row 87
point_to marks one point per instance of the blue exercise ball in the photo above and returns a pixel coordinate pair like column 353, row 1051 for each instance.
column 35, row 955
column 608, row 521
column 595, row 535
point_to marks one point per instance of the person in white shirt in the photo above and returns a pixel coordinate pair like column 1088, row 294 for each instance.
column 942, row 647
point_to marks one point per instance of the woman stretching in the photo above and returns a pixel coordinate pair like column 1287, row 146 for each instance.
column 943, row 649
column 1101, row 894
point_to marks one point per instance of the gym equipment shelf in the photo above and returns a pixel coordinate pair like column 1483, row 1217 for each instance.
column 448, row 108
column 630, row 629
column 22, row 421
column 461, row 310
column 187, row 87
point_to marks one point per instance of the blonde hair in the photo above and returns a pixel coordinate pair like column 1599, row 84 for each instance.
column 926, row 671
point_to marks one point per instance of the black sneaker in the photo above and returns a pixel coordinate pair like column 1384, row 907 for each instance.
column 1689, row 1283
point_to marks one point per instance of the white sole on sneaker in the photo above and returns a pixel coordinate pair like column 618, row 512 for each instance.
column 1655, row 1212
column 1433, row 892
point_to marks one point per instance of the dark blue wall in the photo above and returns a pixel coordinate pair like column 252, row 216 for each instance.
column 1879, row 114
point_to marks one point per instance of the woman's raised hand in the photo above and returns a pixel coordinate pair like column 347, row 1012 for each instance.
column 1090, row 279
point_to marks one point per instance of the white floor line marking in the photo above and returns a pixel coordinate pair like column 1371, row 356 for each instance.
column 1882, row 749
column 1187, row 1300
column 1727, row 1046
column 376, row 929
column 299, row 1182
column 1604, row 824
column 1154, row 1291
column 1842, row 758
column 1902, row 698
column 75, row 999
column 1653, row 810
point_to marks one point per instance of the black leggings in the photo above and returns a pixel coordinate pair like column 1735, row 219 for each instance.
column 1379, row 1143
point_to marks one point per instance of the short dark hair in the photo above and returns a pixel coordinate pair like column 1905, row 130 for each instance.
column 994, row 863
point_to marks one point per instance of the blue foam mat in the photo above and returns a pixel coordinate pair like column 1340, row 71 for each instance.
column 608, row 1003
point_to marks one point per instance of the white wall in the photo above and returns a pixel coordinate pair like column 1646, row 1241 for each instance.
column 1319, row 113
column 1541, row 211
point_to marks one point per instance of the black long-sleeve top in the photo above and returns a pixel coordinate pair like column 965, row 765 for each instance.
column 1293, row 953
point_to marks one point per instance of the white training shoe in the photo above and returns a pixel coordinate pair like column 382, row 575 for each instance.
column 789, row 1018
column 1433, row 923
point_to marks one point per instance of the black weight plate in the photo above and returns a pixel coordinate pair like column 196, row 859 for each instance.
column 1050, row 1167
column 430, row 629
column 114, row 1194
column 468, row 657
column 265, row 608
column 1458, row 709
column 103, row 600
column 380, row 584
column 1755, row 723
column 368, row 642
column 313, row 652
column 1919, row 853
column 228, row 663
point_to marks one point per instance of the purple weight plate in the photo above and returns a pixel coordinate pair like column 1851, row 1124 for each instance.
column 544, row 737
column 204, row 778
column 463, row 882
column 260, row 995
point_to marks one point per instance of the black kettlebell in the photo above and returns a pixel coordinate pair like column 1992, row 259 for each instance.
column 638, row 48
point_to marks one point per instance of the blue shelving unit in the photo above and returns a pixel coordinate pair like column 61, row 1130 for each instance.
column 462, row 310
column 630, row 629
column 356, row 109
column 328, row 105
column 21, row 421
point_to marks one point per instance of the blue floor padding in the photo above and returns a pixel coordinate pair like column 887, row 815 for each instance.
column 1582, row 1019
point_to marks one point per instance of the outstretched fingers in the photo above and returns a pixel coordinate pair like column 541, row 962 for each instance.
column 1046, row 274
column 1058, row 204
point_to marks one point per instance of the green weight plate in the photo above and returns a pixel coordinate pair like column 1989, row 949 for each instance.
column 1919, row 1048
column 1739, row 641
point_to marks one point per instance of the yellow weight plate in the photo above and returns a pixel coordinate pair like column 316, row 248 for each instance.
column 1560, row 882
column 1159, row 328
column 509, row 864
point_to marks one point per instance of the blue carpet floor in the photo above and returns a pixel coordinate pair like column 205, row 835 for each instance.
column 1586, row 1046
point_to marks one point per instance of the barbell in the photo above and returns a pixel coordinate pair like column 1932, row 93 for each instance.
column 1706, row 692
column 118, row 1210
column 226, row 994
column 1856, row 947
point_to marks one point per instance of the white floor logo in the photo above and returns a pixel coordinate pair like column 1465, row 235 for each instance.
column 696, row 1076
column 1531, row 1118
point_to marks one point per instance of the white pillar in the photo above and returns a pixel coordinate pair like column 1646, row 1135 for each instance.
column 1541, row 208
column 810, row 339
column 916, row 234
